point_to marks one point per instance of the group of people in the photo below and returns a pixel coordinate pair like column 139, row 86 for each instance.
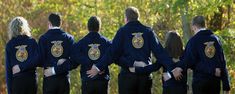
column 57, row 53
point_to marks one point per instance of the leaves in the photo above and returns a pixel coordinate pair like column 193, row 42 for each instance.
column 161, row 15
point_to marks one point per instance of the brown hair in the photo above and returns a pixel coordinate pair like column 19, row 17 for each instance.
column 199, row 21
column 174, row 44
column 132, row 13
column 55, row 19
column 94, row 24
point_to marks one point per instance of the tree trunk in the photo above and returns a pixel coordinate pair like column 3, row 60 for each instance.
column 216, row 21
column 185, row 22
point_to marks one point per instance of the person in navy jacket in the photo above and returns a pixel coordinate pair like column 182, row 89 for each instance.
column 204, row 55
column 55, row 50
column 134, row 42
column 21, row 58
column 87, row 52
column 174, row 47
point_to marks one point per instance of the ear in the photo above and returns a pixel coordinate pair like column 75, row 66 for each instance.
column 125, row 19
column 193, row 27
column 49, row 25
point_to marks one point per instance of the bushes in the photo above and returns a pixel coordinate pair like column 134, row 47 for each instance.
column 162, row 15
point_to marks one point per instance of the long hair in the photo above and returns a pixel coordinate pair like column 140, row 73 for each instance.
column 18, row 26
column 174, row 44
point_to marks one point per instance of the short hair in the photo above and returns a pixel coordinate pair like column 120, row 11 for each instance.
column 174, row 44
column 18, row 26
column 132, row 13
column 55, row 19
column 94, row 24
column 199, row 21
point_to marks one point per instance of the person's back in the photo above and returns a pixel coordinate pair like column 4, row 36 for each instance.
column 208, row 58
column 93, row 46
column 55, row 48
column 21, row 58
column 204, row 55
column 133, row 42
column 137, row 45
column 87, row 52
column 56, row 44
column 174, row 47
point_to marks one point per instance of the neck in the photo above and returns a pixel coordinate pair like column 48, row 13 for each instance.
column 93, row 31
column 54, row 27
column 200, row 29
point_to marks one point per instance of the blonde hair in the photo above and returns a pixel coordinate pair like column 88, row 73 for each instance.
column 18, row 26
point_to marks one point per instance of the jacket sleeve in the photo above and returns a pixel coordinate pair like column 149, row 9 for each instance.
column 159, row 52
column 34, row 58
column 125, row 62
column 8, row 71
column 225, row 77
column 148, row 69
column 66, row 66
column 113, row 52
column 78, row 57
column 42, row 54
column 189, row 57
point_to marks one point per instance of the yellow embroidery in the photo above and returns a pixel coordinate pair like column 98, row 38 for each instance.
column 57, row 49
column 209, row 49
column 21, row 53
column 94, row 51
column 137, row 40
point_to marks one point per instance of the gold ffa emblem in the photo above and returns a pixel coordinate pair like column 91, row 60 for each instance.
column 94, row 51
column 57, row 48
column 21, row 53
column 210, row 49
column 137, row 40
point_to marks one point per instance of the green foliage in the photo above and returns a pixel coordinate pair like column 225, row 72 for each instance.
column 161, row 15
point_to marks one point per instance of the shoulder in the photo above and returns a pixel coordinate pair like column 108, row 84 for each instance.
column 106, row 40
column 121, row 29
column 66, row 34
column 9, row 44
column 149, row 29
column 32, row 39
column 43, row 36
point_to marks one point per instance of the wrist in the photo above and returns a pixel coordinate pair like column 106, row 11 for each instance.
column 53, row 71
column 96, row 68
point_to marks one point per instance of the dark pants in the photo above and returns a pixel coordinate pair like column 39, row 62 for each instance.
column 56, row 85
column 134, row 84
column 95, row 87
column 175, row 90
column 206, row 86
column 24, row 85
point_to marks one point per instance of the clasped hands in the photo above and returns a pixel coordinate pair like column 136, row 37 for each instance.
column 49, row 71
column 94, row 70
column 177, row 72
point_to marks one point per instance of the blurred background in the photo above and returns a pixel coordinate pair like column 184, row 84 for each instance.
column 161, row 15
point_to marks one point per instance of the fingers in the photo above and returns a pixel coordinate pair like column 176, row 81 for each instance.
column 177, row 73
column 217, row 72
column 179, row 77
column 139, row 64
column 132, row 69
column 101, row 72
column 92, row 73
column 15, row 69
column 48, row 72
column 226, row 92
column 61, row 61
